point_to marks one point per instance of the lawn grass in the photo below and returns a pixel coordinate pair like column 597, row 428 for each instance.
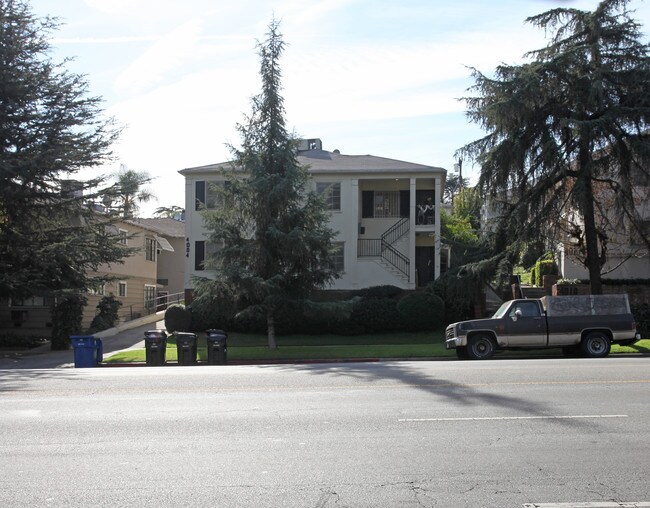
column 250, row 347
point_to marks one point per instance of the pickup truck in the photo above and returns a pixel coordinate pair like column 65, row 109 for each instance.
column 583, row 325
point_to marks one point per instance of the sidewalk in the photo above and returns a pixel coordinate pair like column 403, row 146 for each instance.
column 126, row 336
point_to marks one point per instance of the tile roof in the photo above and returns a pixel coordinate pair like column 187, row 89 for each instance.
column 168, row 227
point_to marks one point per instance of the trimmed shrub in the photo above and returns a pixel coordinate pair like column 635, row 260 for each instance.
column 108, row 308
column 67, row 314
column 376, row 314
column 459, row 292
column 421, row 311
column 177, row 318
column 329, row 317
column 386, row 291
column 543, row 266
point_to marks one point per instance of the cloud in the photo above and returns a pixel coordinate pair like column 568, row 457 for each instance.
column 161, row 59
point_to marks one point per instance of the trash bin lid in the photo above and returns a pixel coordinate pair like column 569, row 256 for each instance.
column 155, row 333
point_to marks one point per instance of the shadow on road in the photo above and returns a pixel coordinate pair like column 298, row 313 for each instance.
column 462, row 394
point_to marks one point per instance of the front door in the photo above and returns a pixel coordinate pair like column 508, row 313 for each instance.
column 425, row 271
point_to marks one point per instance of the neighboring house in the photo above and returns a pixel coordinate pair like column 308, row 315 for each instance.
column 627, row 256
column 170, row 235
column 386, row 214
column 135, row 281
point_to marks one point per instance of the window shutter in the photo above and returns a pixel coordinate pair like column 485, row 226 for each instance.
column 367, row 204
column 404, row 203
column 199, row 255
column 199, row 195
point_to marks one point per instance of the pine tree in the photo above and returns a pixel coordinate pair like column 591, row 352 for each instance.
column 272, row 231
column 568, row 130
column 50, row 129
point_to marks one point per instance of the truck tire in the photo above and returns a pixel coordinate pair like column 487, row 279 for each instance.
column 480, row 347
column 595, row 345
column 461, row 353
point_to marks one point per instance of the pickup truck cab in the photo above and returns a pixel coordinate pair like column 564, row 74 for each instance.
column 586, row 325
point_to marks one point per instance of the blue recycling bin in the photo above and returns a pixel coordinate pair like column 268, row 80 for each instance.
column 88, row 351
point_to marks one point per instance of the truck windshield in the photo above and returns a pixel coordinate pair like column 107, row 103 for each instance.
column 502, row 310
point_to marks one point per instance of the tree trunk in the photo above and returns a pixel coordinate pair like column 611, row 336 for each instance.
column 270, row 329
column 592, row 262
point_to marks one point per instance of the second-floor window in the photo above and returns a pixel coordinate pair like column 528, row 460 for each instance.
column 386, row 204
column 331, row 193
column 150, row 249
column 383, row 204
column 123, row 235
column 208, row 194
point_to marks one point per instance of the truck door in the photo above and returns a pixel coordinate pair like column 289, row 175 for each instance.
column 524, row 325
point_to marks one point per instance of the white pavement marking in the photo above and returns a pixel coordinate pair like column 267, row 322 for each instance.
column 597, row 504
column 478, row 418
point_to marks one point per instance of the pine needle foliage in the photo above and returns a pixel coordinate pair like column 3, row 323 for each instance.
column 273, row 241
column 568, row 138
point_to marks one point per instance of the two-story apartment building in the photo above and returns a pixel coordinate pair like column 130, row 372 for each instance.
column 386, row 214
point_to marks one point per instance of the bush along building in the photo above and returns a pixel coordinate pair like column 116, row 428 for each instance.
column 386, row 214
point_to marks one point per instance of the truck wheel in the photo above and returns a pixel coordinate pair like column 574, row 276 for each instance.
column 461, row 353
column 480, row 347
column 595, row 345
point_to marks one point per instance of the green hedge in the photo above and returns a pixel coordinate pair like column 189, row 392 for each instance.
column 421, row 311
column 177, row 318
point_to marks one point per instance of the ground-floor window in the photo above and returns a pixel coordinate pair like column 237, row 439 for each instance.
column 337, row 258
column 121, row 289
column 149, row 296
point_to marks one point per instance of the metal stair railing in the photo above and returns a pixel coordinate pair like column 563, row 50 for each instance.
column 396, row 231
column 395, row 258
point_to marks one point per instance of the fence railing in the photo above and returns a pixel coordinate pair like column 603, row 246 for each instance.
column 130, row 312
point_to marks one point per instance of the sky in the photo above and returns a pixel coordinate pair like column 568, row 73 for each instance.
column 379, row 77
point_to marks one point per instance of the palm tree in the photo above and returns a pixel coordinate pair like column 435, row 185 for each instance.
column 129, row 191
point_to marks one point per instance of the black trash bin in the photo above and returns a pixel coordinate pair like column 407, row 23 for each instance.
column 217, row 342
column 186, row 348
column 155, row 342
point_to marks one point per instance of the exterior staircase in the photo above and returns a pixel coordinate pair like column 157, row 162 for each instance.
column 384, row 248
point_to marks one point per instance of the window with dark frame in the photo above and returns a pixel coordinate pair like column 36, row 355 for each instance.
column 149, row 296
column 150, row 249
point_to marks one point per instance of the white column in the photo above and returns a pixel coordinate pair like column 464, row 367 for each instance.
column 438, row 243
column 412, row 215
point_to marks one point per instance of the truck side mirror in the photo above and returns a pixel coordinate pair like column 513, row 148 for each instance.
column 517, row 315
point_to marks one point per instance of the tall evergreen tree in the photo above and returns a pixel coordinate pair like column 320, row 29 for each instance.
column 272, row 233
column 49, row 130
column 568, row 130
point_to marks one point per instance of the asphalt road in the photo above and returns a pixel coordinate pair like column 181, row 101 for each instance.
column 496, row 433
